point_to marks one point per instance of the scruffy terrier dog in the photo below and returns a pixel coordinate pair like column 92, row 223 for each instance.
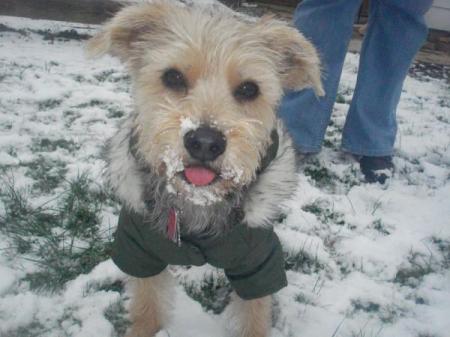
column 203, row 164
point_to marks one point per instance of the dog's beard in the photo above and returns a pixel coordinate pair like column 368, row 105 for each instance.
column 221, row 181
column 202, row 210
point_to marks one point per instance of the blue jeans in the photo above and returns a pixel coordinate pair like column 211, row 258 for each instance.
column 395, row 32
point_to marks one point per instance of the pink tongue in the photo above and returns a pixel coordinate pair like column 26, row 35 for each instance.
column 199, row 176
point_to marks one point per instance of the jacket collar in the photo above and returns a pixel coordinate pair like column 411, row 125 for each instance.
column 271, row 152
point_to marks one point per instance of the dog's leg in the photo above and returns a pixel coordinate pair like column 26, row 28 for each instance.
column 150, row 304
column 251, row 318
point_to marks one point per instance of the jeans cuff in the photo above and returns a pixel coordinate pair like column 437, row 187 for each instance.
column 306, row 149
column 366, row 152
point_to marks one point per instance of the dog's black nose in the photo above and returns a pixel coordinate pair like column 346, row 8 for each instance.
column 205, row 143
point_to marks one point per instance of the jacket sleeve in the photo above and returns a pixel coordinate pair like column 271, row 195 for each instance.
column 261, row 273
column 129, row 252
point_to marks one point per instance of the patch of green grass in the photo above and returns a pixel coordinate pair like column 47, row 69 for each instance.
column 351, row 177
column 359, row 305
column 117, row 315
column 116, row 286
column 112, row 75
column 380, row 227
column 301, row 298
column 115, row 112
column 342, row 94
column 12, row 151
column 64, row 35
column 282, row 217
column 116, row 312
column 91, row 103
column 344, row 268
column 420, row 300
column 4, row 28
column 49, row 104
column 328, row 143
column 48, row 35
column 323, row 211
column 64, row 239
column 79, row 78
column 418, row 267
column 104, row 75
column 444, row 248
column 70, row 117
column 302, row 262
column 213, row 293
column 340, row 99
column 34, row 329
column 390, row 313
column 444, row 102
column 6, row 125
column 68, row 319
column 17, row 70
column 332, row 136
column 386, row 313
column 320, row 175
column 443, row 119
column 50, row 145
column 47, row 173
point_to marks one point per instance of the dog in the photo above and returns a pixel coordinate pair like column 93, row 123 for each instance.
column 202, row 164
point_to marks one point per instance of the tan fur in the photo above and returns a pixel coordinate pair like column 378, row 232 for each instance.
column 216, row 52
column 250, row 318
column 298, row 59
column 150, row 304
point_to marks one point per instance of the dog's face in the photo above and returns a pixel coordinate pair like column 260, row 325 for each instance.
column 206, row 88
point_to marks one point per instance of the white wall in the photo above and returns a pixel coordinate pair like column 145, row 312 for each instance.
column 438, row 17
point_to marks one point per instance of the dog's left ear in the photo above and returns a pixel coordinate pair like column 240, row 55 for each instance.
column 297, row 59
column 122, row 36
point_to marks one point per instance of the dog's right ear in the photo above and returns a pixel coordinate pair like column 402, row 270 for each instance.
column 297, row 59
column 121, row 36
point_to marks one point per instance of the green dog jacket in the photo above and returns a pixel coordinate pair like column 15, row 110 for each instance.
column 251, row 257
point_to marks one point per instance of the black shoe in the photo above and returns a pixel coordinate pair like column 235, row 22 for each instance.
column 376, row 169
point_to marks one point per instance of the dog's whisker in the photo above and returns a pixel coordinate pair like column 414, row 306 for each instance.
column 166, row 130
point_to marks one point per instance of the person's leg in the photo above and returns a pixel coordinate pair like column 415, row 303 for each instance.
column 328, row 24
column 396, row 31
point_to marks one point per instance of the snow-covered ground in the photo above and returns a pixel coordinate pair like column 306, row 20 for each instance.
column 362, row 260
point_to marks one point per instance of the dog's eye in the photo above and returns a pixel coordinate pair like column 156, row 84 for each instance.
column 174, row 79
column 246, row 91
